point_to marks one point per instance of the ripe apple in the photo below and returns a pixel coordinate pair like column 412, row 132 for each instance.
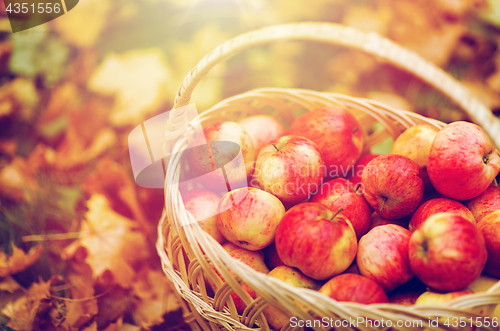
column 439, row 299
column 225, row 141
column 317, row 241
column 462, row 161
column 291, row 168
column 489, row 226
column 447, row 252
column 338, row 135
column 415, row 143
column 383, row 256
column 272, row 258
column 392, row 185
column 354, row 288
column 377, row 220
column 291, row 276
column 354, row 175
column 439, row 205
column 339, row 193
column 486, row 203
column 204, row 206
column 262, row 129
column 252, row 222
column 254, row 259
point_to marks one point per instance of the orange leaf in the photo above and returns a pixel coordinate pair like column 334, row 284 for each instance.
column 111, row 241
column 19, row 260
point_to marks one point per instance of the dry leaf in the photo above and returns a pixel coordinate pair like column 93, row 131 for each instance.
column 112, row 180
column 29, row 312
column 111, row 241
column 19, row 260
column 82, row 306
column 73, row 154
column 18, row 178
column 155, row 298
column 8, row 284
column 137, row 79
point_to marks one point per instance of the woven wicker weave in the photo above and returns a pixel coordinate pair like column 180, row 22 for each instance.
column 189, row 255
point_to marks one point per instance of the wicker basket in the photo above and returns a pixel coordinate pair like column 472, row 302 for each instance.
column 189, row 255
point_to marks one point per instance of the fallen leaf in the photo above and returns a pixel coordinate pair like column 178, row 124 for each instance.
column 82, row 306
column 8, row 284
column 19, row 260
column 155, row 298
column 73, row 154
column 137, row 79
column 112, row 180
column 18, row 178
column 112, row 242
column 29, row 311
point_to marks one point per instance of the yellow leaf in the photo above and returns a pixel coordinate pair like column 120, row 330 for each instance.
column 137, row 79
column 111, row 241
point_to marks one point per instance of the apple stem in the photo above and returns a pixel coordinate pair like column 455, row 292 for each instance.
column 338, row 212
column 358, row 185
column 275, row 147
column 355, row 129
column 384, row 199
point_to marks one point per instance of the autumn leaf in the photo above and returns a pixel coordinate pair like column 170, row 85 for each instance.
column 29, row 311
column 19, row 260
column 111, row 241
column 155, row 298
column 112, row 180
column 137, row 79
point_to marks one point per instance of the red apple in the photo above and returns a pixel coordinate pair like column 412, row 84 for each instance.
column 462, row 161
column 415, row 143
column 339, row 193
column 447, row 252
column 291, row 276
column 262, row 129
column 291, row 168
column 440, row 205
column 314, row 239
column 392, row 185
column 338, row 135
column 486, row 203
column 254, row 259
column 204, row 206
column 354, row 288
column 431, row 298
column 226, row 141
column 404, row 298
column 489, row 226
column 383, row 256
column 377, row 220
column 252, row 222
column 356, row 172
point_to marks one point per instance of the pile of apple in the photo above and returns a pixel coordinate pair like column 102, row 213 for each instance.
column 320, row 215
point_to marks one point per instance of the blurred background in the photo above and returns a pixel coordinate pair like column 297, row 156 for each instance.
column 77, row 234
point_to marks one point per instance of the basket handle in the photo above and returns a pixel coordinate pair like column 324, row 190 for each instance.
column 370, row 43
